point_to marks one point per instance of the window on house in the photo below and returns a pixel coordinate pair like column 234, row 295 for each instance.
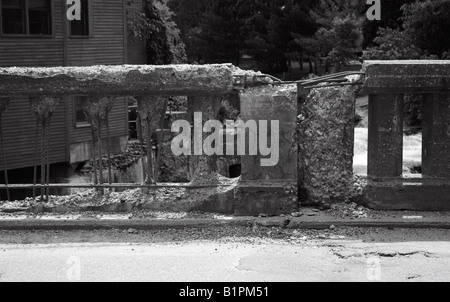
column 39, row 17
column 80, row 117
column 26, row 17
column 81, row 27
column 13, row 17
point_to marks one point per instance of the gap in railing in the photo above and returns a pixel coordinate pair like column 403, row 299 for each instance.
column 67, row 178
column 361, row 136
column 412, row 135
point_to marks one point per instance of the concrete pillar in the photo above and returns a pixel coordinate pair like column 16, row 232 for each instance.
column 278, row 104
column 263, row 188
column 326, row 143
column 302, row 191
column 436, row 135
column 385, row 154
column 201, row 165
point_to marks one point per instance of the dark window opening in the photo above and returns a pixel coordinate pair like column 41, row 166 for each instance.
column 81, row 27
column 13, row 17
column 22, row 17
column 39, row 17
column 132, row 122
column 80, row 116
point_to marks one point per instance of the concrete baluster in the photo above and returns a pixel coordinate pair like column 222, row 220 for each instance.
column 436, row 135
column 385, row 146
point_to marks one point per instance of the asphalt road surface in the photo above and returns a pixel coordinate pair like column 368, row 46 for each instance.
column 226, row 255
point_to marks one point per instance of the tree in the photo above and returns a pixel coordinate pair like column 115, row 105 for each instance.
column 428, row 25
column 301, row 24
column 345, row 37
column 225, row 30
column 339, row 36
column 423, row 35
column 393, row 44
column 218, row 35
column 188, row 15
column 152, row 21
column 270, row 31
column 391, row 14
column 266, row 35
column 173, row 35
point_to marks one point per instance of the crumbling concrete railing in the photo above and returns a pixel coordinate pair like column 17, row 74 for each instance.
column 116, row 80
column 263, row 100
column 201, row 83
column 127, row 80
column 386, row 83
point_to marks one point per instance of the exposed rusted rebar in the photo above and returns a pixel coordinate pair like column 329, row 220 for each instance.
column 43, row 107
column 109, row 148
column 4, row 104
column 36, row 143
column 97, row 111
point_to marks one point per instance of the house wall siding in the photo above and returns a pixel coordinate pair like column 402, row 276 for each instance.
column 117, row 123
column 35, row 50
column 105, row 46
column 19, row 131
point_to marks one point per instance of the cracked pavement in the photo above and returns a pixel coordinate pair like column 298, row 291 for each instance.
column 226, row 254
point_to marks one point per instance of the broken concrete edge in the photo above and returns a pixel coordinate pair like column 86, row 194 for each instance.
column 114, row 73
column 226, row 199
column 122, row 80
column 155, row 224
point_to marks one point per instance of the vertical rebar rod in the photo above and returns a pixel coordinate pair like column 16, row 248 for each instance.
column 94, row 161
column 35, row 156
column 160, row 143
column 109, row 149
column 48, row 158
column 150, row 174
column 100, row 153
column 141, row 143
column 5, row 168
column 42, row 160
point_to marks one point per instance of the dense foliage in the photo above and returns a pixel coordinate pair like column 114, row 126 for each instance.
column 269, row 35
column 423, row 33
column 226, row 30
column 152, row 21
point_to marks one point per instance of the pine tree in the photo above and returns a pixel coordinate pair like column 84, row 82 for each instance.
column 339, row 38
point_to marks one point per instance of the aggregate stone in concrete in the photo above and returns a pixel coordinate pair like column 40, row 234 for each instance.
column 326, row 135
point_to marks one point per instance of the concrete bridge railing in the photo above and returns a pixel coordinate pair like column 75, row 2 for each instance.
column 386, row 83
column 261, row 188
column 264, row 189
